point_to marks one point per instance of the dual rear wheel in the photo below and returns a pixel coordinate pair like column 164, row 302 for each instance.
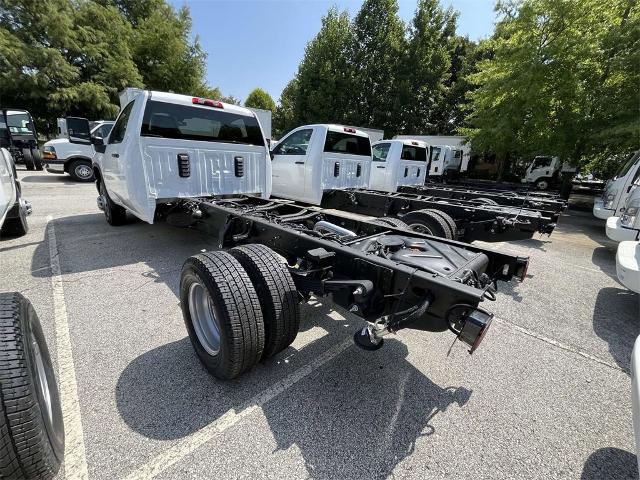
column 239, row 306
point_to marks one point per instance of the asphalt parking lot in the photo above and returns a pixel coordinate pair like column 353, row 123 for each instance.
column 546, row 396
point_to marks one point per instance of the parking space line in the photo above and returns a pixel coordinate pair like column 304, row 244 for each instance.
column 75, row 462
column 231, row 417
column 558, row 344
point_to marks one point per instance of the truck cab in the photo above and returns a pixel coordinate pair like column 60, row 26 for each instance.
column 165, row 146
column 62, row 156
column 543, row 171
column 398, row 163
column 618, row 188
column 445, row 161
column 19, row 136
column 312, row 159
column 625, row 225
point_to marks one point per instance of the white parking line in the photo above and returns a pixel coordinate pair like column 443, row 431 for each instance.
column 231, row 417
column 75, row 462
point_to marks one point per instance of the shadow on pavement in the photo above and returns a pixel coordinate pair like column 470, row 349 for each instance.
column 605, row 259
column 161, row 395
column 610, row 463
column 616, row 319
column 49, row 178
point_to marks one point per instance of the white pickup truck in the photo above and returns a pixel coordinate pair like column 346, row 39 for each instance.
column 61, row 156
column 398, row 163
column 190, row 147
column 315, row 158
column 618, row 188
column 13, row 208
column 626, row 225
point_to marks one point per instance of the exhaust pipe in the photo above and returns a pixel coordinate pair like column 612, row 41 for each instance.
column 323, row 226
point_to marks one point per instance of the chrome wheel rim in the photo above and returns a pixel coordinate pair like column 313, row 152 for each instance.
column 83, row 171
column 204, row 319
column 43, row 383
column 420, row 228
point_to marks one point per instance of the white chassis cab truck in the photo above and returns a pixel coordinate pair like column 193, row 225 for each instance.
column 628, row 264
column 313, row 159
column 61, row 156
column 398, row 162
column 626, row 226
column 617, row 189
column 13, row 208
column 204, row 164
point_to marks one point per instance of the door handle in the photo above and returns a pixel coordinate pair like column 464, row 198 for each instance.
column 115, row 155
column 299, row 163
column 379, row 167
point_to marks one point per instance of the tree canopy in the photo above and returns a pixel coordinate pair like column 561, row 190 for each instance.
column 259, row 98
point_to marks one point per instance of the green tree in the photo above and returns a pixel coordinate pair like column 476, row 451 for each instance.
column 378, row 48
column 562, row 80
column 324, row 80
column 259, row 98
column 427, row 69
column 284, row 118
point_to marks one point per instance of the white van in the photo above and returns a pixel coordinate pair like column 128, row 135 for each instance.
column 315, row 158
column 617, row 189
column 398, row 162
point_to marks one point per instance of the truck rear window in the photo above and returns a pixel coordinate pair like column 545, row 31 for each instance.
column 418, row 154
column 182, row 122
column 339, row 142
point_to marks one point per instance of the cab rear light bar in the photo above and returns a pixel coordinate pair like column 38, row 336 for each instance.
column 206, row 102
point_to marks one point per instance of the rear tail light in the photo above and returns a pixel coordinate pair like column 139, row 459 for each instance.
column 414, row 143
column 469, row 323
column 206, row 102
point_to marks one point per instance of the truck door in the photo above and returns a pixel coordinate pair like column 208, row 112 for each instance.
column 380, row 170
column 289, row 165
column 436, row 163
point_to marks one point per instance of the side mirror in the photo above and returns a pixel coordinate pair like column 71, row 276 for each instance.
column 271, row 155
column 95, row 140
column 78, row 130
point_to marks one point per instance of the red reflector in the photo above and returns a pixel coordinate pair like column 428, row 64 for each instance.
column 349, row 130
column 206, row 102
column 414, row 143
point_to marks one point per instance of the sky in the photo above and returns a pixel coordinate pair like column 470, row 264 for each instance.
column 259, row 43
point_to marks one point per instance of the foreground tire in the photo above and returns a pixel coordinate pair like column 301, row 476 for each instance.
column 17, row 226
column 28, row 159
column 31, row 426
column 542, row 184
column 451, row 223
column 425, row 221
column 81, row 171
column 277, row 293
column 37, row 159
column 115, row 214
column 222, row 314
column 390, row 222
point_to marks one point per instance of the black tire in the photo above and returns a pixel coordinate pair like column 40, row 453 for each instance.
column 425, row 221
column 32, row 430
column 486, row 201
column 279, row 299
column 37, row 159
column 543, row 184
column 16, row 226
column 390, row 222
column 115, row 214
column 81, row 171
column 451, row 223
column 233, row 302
column 28, row 159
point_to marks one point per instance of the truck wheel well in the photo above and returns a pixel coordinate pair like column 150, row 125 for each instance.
column 96, row 173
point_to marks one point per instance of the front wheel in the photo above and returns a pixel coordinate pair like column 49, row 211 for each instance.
column 16, row 226
column 542, row 184
column 80, row 171
column 32, row 440
column 115, row 214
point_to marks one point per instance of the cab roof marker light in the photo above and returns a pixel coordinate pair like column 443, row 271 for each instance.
column 349, row 130
column 206, row 102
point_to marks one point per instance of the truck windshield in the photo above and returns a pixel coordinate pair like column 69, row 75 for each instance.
column 183, row 122
column 339, row 142
column 626, row 166
column 19, row 123
column 410, row 152
column 541, row 162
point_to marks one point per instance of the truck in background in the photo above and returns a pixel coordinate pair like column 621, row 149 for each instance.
column 19, row 136
column 455, row 142
column 617, row 189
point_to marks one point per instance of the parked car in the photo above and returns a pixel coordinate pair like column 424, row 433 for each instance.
column 13, row 208
column 61, row 156
column 18, row 135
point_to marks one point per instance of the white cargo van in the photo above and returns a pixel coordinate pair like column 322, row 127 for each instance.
column 315, row 158
column 398, row 162
column 165, row 146
column 617, row 189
